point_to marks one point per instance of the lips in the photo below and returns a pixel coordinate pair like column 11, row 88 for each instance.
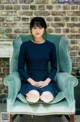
column 37, row 33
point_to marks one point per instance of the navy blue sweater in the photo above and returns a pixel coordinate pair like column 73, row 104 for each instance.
column 36, row 58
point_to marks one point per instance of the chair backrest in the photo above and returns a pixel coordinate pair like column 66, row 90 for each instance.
column 62, row 49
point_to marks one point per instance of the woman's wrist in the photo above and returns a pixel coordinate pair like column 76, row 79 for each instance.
column 48, row 80
column 30, row 80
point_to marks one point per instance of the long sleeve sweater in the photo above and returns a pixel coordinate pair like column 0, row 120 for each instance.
column 34, row 59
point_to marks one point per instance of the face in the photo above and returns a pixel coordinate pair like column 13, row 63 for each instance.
column 37, row 31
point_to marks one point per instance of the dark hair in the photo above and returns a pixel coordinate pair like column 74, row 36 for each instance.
column 38, row 21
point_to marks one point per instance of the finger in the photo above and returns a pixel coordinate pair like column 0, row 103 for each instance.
column 37, row 85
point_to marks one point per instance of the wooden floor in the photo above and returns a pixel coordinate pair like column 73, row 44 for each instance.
column 26, row 118
column 55, row 118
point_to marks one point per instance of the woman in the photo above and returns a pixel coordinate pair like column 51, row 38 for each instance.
column 36, row 54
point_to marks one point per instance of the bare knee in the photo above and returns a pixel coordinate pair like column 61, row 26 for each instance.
column 32, row 96
column 47, row 96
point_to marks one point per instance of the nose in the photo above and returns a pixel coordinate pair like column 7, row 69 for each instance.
column 37, row 30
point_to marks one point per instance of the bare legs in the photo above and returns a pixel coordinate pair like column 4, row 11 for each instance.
column 33, row 96
column 46, row 97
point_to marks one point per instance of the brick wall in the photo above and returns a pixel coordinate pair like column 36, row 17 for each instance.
column 4, row 70
column 15, row 15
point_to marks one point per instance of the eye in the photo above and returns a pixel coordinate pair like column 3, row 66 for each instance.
column 40, row 27
column 34, row 27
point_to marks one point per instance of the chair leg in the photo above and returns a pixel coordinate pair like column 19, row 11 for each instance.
column 72, row 118
column 10, row 117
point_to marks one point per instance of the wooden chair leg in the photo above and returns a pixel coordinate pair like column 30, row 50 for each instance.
column 72, row 118
column 10, row 117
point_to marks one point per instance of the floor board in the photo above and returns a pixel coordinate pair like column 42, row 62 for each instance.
column 28, row 118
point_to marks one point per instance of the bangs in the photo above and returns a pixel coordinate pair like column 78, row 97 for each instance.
column 37, row 24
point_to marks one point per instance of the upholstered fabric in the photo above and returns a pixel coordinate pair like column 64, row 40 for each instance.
column 58, row 98
column 42, row 109
column 64, row 79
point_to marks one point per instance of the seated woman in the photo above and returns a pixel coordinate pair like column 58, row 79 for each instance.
column 36, row 54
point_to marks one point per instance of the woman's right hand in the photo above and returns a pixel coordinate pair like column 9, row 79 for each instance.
column 32, row 82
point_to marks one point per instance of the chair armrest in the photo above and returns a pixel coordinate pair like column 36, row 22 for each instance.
column 64, row 55
column 66, row 83
column 14, row 84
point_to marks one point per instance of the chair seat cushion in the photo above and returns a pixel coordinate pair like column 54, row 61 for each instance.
column 61, row 107
column 58, row 98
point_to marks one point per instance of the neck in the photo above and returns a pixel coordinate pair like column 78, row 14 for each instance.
column 38, row 40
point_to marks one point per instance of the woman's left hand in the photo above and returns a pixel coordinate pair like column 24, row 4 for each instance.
column 42, row 84
column 39, row 84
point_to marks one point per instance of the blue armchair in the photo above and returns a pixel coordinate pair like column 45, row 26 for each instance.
column 64, row 102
